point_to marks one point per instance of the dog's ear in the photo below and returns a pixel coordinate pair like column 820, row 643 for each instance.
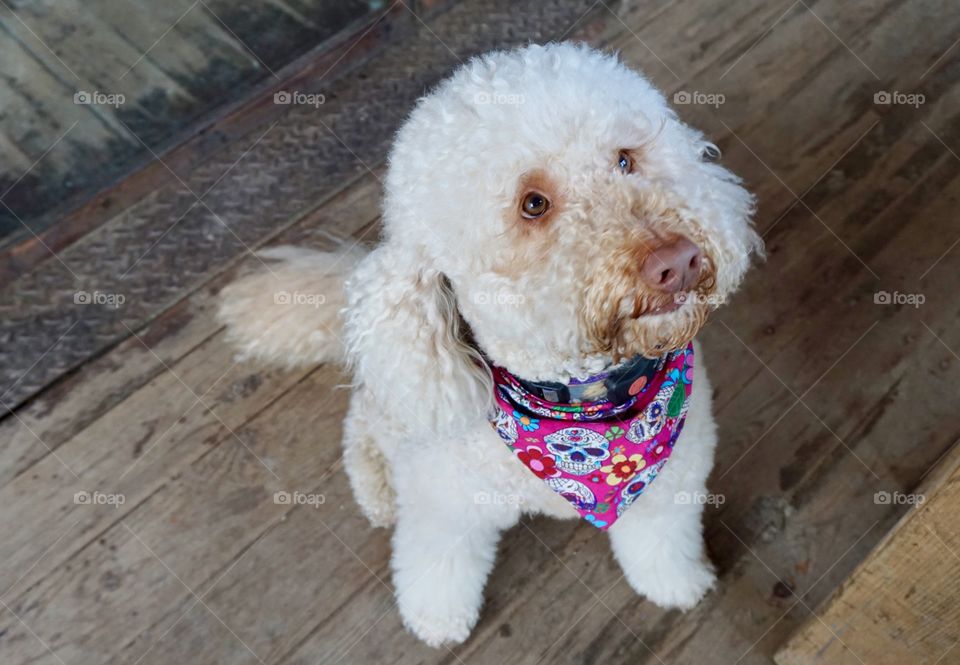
column 406, row 346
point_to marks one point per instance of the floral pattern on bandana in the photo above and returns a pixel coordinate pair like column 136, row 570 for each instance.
column 599, row 456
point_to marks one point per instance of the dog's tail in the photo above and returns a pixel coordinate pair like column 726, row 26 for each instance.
column 288, row 314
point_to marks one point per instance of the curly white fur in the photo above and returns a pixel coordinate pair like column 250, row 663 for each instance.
column 459, row 270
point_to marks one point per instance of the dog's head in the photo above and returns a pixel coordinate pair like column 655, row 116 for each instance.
column 577, row 219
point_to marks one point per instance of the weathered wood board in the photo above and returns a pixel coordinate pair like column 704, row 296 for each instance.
column 901, row 605
column 91, row 88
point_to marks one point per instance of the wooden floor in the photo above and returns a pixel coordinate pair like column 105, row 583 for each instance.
column 90, row 88
column 825, row 395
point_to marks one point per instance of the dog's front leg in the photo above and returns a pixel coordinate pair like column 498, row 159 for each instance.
column 444, row 547
column 662, row 553
column 659, row 540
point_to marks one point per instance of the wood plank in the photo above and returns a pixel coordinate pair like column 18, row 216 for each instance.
column 903, row 603
column 297, row 562
column 188, row 148
column 75, row 402
column 274, row 30
column 179, row 415
column 77, row 420
column 40, row 120
column 189, row 343
column 208, row 514
column 171, row 62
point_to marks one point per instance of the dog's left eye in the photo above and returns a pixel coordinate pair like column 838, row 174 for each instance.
column 625, row 162
column 534, row 205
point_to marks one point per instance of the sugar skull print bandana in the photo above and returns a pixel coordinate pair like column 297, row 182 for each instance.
column 606, row 438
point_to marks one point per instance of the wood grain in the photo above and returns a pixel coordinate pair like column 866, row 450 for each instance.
column 173, row 63
column 75, row 402
column 903, row 603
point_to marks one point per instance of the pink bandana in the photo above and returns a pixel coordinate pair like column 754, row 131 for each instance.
column 599, row 455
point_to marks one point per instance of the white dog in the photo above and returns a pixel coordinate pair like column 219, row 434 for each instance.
column 546, row 213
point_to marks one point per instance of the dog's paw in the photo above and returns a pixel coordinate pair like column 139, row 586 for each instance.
column 681, row 587
column 437, row 631
column 437, row 613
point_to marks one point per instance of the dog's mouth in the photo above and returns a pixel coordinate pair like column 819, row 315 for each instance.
column 651, row 324
column 645, row 305
column 661, row 329
column 665, row 308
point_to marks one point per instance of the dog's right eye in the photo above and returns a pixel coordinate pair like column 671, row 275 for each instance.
column 534, row 205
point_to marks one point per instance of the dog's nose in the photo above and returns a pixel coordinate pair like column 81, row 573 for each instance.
column 673, row 267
